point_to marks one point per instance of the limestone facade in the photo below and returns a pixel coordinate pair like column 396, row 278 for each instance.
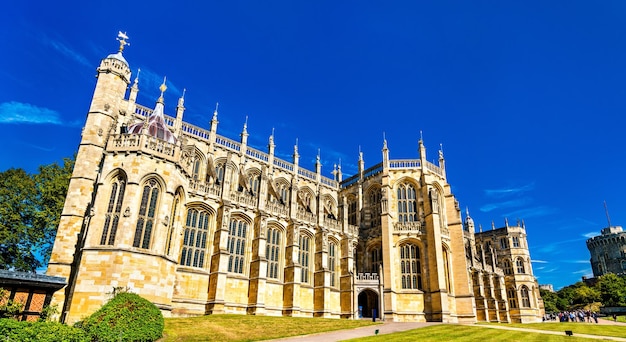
column 201, row 224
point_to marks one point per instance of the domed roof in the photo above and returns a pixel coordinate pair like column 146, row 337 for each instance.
column 118, row 56
column 155, row 125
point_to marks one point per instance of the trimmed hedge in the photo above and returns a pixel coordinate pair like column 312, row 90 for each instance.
column 127, row 317
column 12, row 330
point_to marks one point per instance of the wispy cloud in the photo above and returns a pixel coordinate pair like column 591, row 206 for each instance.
column 507, row 204
column 531, row 212
column 18, row 113
column 539, row 261
column 577, row 261
column 509, row 191
column 587, row 272
column 68, row 52
column 590, row 235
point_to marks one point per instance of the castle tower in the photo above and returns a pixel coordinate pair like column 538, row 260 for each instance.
column 113, row 79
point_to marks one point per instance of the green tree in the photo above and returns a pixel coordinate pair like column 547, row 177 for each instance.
column 30, row 208
column 18, row 236
column 51, row 182
column 550, row 300
column 585, row 295
column 612, row 290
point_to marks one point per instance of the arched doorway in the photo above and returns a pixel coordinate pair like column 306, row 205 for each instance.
column 368, row 301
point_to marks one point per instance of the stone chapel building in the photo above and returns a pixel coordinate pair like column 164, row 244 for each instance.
column 199, row 224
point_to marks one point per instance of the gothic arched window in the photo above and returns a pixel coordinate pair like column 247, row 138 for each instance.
column 520, row 265
column 525, row 297
column 305, row 252
column 508, row 268
column 237, row 245
column 170, row 233
column 272, row 252
column 352, row 211
column 510, row 293
column 407, row 205
column 147, row 214
column 195, row 236
column 410, row 266
column 376, row 259
column 332, row 263
column 374, row 197
column 113, row 211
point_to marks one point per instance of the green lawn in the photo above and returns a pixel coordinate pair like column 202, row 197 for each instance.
column 577, row 328
column 255, row 328
column 448, row 332
column 249, row 328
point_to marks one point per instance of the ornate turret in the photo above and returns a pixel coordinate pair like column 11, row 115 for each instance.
column 113, row 79
column 155, row 125
column 469, row 222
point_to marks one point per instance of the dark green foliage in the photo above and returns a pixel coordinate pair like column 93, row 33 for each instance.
column 127, row 317
column 612, row 290
column 30, row 208
column 12, row 330
column 609, row 290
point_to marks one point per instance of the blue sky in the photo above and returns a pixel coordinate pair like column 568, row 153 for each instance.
column 527, row 97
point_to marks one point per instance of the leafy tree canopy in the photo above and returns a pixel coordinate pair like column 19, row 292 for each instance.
column 30, row 209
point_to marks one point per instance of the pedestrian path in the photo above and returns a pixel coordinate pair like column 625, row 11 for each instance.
column 561, row 333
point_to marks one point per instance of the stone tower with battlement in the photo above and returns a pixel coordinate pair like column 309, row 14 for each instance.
column 199, row 224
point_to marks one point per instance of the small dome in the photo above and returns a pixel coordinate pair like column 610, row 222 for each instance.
column 118, row 56
column 156, row 126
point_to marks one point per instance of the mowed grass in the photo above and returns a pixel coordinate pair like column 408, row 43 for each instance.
column 249, row 328
column 576, row 328
column 451, row 332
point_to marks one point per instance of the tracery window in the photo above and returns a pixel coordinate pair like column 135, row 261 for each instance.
column 504, row 243
column 195, row 236
column 332, row 263
column 446, row 269
column 410, row 266
column 508, row 268
column 272, row 252
column 196, row 169
column 515, row 241
column 510, row 293
column 147, row 214
column 220, row 168
column 352, row 212
column 520, row 265
column 407, row 205
column 374, row 197
column 376, row 258
column 113, row 211
column 237, row 245
column 168, row 245
column 283, row 191
column 253, row 182
column 305, row 252
column 525, row 297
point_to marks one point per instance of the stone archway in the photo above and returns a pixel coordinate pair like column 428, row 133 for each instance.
column 368, row 301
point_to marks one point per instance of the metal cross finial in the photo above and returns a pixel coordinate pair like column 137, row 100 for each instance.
column 163, row 87
column 122, row 37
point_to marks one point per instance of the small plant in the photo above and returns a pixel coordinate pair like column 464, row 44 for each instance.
column 48, row 312
column 8, row 308
column 126, row 317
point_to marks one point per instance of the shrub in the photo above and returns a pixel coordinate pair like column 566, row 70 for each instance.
column 12, row 330
column 126, row 317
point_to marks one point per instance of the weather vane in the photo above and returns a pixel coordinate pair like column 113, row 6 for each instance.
column 122, row 37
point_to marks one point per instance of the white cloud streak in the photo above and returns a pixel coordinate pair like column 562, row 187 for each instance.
column 19, row 113
column 505, row 192
column 68, row 52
